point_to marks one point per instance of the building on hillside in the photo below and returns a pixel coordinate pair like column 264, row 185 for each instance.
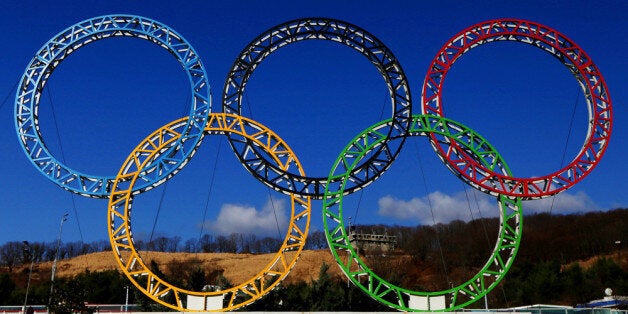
column 371, row 242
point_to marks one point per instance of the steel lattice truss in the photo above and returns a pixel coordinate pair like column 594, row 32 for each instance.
column 174, row 297
column 63, row 44
column 498, row 264
column 266, row 156
column 568, row 53
column 336, row 31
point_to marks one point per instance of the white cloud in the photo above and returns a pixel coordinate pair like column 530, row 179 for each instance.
column 445, row 207
column 456, row 207
column 564, row 202
column 237, row 218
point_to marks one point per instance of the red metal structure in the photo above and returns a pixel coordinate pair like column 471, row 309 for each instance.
column 568, row 53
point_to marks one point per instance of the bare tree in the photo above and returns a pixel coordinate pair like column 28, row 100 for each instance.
column 173, row 243
column 191, row 246
column 207, row 243
column 11, row 254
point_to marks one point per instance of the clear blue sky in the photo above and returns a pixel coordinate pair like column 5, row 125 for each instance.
column 109, row 95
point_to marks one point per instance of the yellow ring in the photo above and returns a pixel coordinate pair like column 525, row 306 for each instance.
column 119, row 225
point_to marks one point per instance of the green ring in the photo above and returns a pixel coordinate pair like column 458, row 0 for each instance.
column 510, row 229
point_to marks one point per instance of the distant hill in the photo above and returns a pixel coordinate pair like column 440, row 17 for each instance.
column 567, row 239
column 235, row 267
column 563, row 259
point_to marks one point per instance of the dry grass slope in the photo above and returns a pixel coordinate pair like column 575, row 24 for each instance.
column 237, row 267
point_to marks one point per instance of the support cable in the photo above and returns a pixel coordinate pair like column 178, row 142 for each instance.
column 466, row 194
column 272, row 203
column 481, row 218
column 9, row 94
column 562, row 160
column 248, row 104
column 357, row 209
column 165, row 184
column 209, row 193
column 161, row 200
column 54, row 118
column 429, row 201
column 268, row 189
column 475, row 196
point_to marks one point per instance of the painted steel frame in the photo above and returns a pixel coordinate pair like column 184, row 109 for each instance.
column 568, row 53
column 168, row 149
column 336, row 31
column 66, row 42
column 119, row 213
column 504, row 252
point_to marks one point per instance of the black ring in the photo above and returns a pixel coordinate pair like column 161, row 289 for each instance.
column 336, row 31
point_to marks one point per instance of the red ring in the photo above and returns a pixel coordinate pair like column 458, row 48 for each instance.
column 571, row 55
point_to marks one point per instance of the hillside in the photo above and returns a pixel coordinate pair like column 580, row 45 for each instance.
column 563, row 259
column 237, row 267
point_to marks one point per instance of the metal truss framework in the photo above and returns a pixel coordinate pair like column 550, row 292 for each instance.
column 119, row 224
column 568, row 53
column 504, row 252
column 163, row 153
column 63, row 44
column 343, row 33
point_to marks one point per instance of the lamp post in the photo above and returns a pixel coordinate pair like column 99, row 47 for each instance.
column 54, row 263
column 126, row 301
column 30, row 272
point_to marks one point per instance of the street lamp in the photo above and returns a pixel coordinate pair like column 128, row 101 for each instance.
column 54, row 263
column 30, row 272
column 126, row 302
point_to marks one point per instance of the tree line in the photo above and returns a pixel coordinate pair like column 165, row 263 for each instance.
column 17, row 253
column 546, row 237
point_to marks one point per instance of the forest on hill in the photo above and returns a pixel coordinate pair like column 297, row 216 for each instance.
column 563, row 259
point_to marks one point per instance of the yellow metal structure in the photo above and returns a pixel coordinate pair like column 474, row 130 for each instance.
column 130, row 260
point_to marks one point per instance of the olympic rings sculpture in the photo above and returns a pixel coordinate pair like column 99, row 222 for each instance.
column 265, row 155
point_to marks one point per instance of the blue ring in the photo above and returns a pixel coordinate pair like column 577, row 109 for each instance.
column 60, row 46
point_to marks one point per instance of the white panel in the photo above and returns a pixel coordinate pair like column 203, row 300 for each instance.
column 215, row 303
column 196, row 303
column 418, row 303
column 437, row 303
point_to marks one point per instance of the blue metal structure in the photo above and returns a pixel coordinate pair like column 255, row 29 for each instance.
column 66, row 42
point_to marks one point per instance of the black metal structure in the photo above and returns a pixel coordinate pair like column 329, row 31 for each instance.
column 318, row 29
